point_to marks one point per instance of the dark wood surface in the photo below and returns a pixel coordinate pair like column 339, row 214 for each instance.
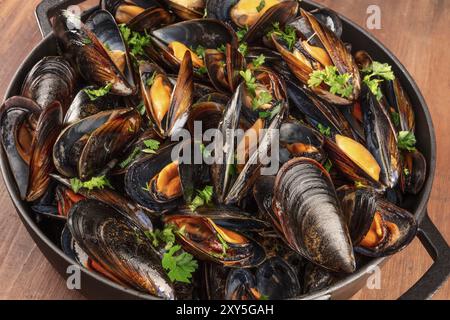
column 417, row 31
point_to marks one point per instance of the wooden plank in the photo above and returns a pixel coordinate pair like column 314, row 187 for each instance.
column 415, row 30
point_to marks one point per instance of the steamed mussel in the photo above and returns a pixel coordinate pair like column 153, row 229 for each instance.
column 210, row 149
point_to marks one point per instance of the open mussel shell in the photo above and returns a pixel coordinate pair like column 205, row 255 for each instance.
column 378, row 228
column 207, row 240
column 414, row 172
column 208, row 33
column 400, row 101
column 51, row 79
column 354, row 161
column 119, row 246
column 41, row 165
column 301, row 141
column 275, row 279
column 311, row 217
column 86, row 147
column 280, row 12
column 17, row 135
column 330, row 19
column 83, row 106
column 381, row 139
column 139, row 15
column 154, row 181
column 97, row 49
column 207, row 113
column 333, row 52
column 187, row 9
column 166, row 104
column 318, row 112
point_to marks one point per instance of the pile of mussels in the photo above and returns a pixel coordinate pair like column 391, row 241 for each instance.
column 89, row 141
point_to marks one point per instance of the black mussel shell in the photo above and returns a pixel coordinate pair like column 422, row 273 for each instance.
column 51, row 79
column 41, row 166
column 187, row 10
column 240, row 285
column 310, row 215
column 83, row 106
column 330, row 19
column 14, row 114
column 316, row 279
column 119, row 246
column 414, row 172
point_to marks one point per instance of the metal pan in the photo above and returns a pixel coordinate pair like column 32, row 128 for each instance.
column 95, row 286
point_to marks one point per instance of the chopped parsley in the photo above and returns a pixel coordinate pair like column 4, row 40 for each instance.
column 270, row 114
column 288, row 35
column 95, row 183
column 259, row 61
column 263, row 98
column 407, row 141
column 179, row 267
column 328, row 165
column 326, row 131
column 250, row 81
column 261, row 5
column 243, row 48
column 338, row 83
column 241, row 33
column 136, row 41
column 151, row 146
column 125, row 163
column 375, row 74
column 165, row 236
column 94, row 94
column 150, row 81
column 395, row 116
column 203, row 197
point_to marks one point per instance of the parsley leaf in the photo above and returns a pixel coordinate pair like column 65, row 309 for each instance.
column 395, row 116
column 152, row 146
column 258, row 62
column 263, row 98
column 261, row 6
column 250, row 81
column 407, row 141
column 222, row 48
column 338, row 83
column 328, row 165
column 326, row 131
column 86, row 41
column 288, row 35
column 270, row 114
column 406, row 172
column 241, row 33
column 202, row 70
column 165, row 236
column 136, row 41
column 94, row 94
column 379, row 71
column 150, row 81
column 180, row 267
column 200, row 51
column 125, row 163
column 141, row 108
column 95, row 183
column 243, row 48
column 203, row 197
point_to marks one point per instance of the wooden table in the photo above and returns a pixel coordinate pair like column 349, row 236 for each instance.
column 417, row 31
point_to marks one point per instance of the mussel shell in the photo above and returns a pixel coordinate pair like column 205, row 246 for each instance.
column 330, row 19
column 108, row 141
column 263, row 190
column 82, row 106
column 277, row 280
column 316, row 279
column 13, row 113
column 241, row 255
column 119, row 246
column 381, row 139
column 399, row 100
column 140, row 173
column 310, row 215
column 407, row 227
column 187, row 10
column 292, row 133
column 414, row 173
column 83, row 47
column 239, row 285
column 213, row 280
column 209, row 114
column 51, row 79
column 41, row 165
column 282, row 12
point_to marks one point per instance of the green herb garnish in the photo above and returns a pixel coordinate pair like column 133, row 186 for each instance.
column 141, row 108
column 222, row 48
column 150, row 81
column 326, row 131
column 289, row 34
column 261, row 6
column 250, row 81
column 86, row 41
column 136, row 41
column 243, row 49
column 271, row 113
column 179, row 267
column 224, row 244
column 258, row 62
column 263, row 98
column 406, row 172
column 338, row 83
column 407, row 141
column 95, row 183
column 203, row 197
column 200, row 51
column 241, row 33
column 94, row 94
column 395, row 116
column 202, row 70
column 125, row 163
column 328, row 165
column 375, row 74
column 151, row 146
column 165, row 236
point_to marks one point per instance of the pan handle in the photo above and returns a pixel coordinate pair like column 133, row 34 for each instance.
column 439, row 272
column 47, row 8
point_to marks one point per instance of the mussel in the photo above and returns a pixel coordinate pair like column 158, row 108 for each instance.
column 167, row 105
column 51, row 79
column 18, row 119
column 310, row 215
column 378, row 227
column 188, row 9
column 85, row 148
column 205, row 239
column 119, row 246
column 97, row 49
column 318, row 48
column 139, row 15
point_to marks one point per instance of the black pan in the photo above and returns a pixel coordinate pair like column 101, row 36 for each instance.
column 95, row 286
